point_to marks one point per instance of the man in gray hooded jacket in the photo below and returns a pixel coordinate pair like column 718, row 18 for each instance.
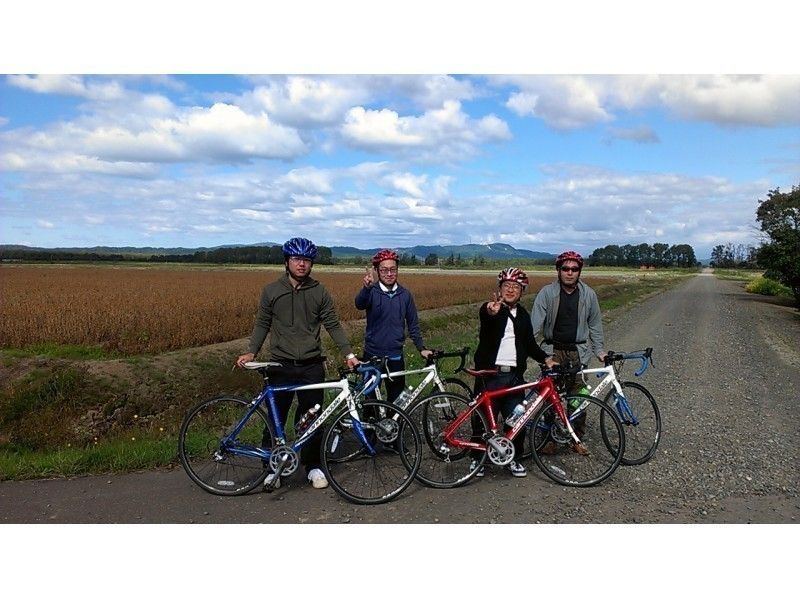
column 567, row 314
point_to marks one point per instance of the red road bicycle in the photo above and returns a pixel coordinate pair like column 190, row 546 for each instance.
column 580, row 447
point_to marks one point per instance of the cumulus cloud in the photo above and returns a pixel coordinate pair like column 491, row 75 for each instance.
column 446, row 133
column 304, row 102
column 69, row 85
column 572, row 102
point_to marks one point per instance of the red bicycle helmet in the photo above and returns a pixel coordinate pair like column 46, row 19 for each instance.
column 384, row 254
column 567, row 256
column 514, row 275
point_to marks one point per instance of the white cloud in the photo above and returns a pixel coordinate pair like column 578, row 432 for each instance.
column 446, row 133
column 221, row 133
column 572, row 102
column 45, row 224
column 406, row 183
column 70, row 85
column 307, row 102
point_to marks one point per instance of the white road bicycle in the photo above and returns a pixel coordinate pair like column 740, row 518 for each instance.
column 632, row 403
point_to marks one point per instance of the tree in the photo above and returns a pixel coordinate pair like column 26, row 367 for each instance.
column 432, row 259
column 779, row 217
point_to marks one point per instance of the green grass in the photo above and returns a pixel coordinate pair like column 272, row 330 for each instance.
column 53, row 350
column 109, row 456
column 767, row 286
column 734, row 274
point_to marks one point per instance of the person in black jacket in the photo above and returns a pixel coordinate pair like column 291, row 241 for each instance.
column 505, row 341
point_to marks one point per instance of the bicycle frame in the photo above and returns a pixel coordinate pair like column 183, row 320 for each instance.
column 608, row 374
column 431, row 372
column 545, row 390
column 371, row 376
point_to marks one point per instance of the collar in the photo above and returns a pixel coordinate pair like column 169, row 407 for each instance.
column 387, row 290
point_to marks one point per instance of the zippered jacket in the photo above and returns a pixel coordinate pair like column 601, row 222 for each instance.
column 388, row 314
column 492, row 330
column 293, row 318
column 589, row 336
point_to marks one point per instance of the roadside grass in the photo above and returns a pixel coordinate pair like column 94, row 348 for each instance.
column 769, row 287
column 56, row 351
column 42, row 427
column 736, row 274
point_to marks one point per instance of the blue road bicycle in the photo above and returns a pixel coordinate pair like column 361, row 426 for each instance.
column 370, row 451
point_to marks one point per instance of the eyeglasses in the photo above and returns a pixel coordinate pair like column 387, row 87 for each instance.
column 569, row 269
column 510, row 284
column 297, row 259
column 387, row 270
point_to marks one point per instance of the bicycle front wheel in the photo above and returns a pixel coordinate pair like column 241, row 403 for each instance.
column 638, row 412
column 206, row 452
column 562, row 460
column 374, row 460
column 443, row 464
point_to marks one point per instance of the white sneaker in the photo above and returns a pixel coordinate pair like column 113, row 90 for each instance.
column 317, row 478
column 269, row 478
column 517, row 470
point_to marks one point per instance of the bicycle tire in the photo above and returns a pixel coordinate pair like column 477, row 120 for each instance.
column 207, row 462
column 564, row 465
column 441, row 468
column 366, row 479
column 641, row 438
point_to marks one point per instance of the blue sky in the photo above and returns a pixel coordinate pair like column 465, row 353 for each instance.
column 543, row 162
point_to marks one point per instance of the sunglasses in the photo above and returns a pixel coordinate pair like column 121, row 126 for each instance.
column 569, row 269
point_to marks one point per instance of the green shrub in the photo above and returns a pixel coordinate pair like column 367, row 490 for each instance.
column 766, row 286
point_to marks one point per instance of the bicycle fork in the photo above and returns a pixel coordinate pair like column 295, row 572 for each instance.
column 562, row 414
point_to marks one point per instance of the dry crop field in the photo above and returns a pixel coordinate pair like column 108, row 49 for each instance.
column 133, row 310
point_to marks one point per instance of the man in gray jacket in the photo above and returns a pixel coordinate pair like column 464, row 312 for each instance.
column 567, row 314
column 292, row 310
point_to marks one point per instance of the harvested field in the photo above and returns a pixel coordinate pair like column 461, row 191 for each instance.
column 131, row 311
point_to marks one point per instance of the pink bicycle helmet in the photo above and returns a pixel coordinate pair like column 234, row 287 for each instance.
column 514, row 275
column 567, row 256
column 384, row 254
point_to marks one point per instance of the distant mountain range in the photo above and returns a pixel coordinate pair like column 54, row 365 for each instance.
column 491, row 250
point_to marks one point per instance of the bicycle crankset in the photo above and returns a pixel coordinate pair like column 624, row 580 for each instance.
column 291, row 460
column 500, row 450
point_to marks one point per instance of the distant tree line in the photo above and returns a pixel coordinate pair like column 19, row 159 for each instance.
column 241, row 255
column 658, row 255
column 734, row 256
column 223, row 255
column 37, row 255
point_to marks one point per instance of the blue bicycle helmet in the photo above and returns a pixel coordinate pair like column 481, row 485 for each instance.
column 299, row 247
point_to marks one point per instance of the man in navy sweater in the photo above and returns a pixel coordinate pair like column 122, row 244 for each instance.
column 390, row 308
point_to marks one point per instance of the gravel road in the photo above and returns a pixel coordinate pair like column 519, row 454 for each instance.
column 727, row 380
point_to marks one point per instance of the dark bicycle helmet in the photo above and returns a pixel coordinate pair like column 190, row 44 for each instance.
column 384, row 254
column 567, row 256
column 514, row 275
column 299, row 247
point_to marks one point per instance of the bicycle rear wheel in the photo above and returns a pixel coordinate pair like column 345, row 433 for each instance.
column 640, row 418
column 454, row 386
column 444, row 465
column 371, row 477
column 557, row 456
column 208, row 459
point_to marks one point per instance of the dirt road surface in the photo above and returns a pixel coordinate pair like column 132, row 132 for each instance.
column 727, row 380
